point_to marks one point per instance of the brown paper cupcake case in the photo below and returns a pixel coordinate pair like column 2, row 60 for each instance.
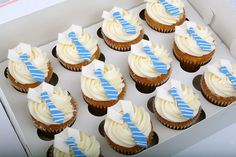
column 191, row 63
column 149, row 84
column 77, row 67
column 56, row 128
column 51, row 148
column 122, row 46
column 213, row 98
column 25, row 87
column 160, row 27
column 176, row 125
column 104, row 104
column 128, row 151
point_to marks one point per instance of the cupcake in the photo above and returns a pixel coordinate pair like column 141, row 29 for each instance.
column 218, row 83
column 102, row 85
column 28, row 67
column 164, row 15
column 193, row 46
column 120, row 29
column 176, row 106
column 149, row 65
column 72, row 142
column 51, row 108
column 76, row 48
column 128, row 128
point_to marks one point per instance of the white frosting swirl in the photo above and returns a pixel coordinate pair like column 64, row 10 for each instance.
column 221, row 86
column 187, row 44
column 170, row 110
column 120, row 133
column 88, row 145
column 143, row 66
column 68, row 52
column 92, row 87
column 60, row 98
column 159, row 14
column 113, row 29
column 19, row 71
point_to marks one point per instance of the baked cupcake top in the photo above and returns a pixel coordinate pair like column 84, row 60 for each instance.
column 220, row 82
column 176, row 102
column 167, row 12
column 75, row 45
column 194, row 39
column 148, row 59
column 50, row 104
column 72, row 142
column 101, row 82
column 113, row 28
column 27, row 64
column 117, row 124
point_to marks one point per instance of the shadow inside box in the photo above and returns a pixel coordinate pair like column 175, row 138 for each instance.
column 150, row 106
column 154, row 141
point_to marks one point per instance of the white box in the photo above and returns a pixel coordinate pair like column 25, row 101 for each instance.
column 170, row 141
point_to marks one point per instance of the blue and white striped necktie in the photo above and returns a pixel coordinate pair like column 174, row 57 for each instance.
column 186, row 111
column 37, row 74
column 139, row 138
column 82, row 51
column 110, row 91
column 229, row 75
column 204, row 45
column 159, row 65
column 57, row 115
column 71, row 143
column 173, row 10
column 129, row 28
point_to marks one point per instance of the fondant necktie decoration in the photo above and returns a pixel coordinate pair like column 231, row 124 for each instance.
column 229, row 75
column 139, row 137
column 37, row 74
column 204, row 45
column 71, row 142
column 159, row 65
column 82, row 51
column 173, row 10
column 111, row 92
column 186, row 111
column 129, row 28
column 57, row 115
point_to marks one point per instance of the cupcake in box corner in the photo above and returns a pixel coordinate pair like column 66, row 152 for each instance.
column 193, row 46
column 51, row 108
column 218, row 83
column 128, row 128
column 149, row 65
column 164, row 15
column 73, row 142
column 28, row 67
column 120, row 29
column 176, row 106
column 102, row 84
column 76, row 48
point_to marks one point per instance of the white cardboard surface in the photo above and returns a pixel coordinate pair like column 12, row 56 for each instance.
column 71, row 82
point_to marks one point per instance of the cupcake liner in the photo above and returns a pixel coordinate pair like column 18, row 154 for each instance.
column 104, row 104
column 122, row 46
column 128, row 151
column 161, row 27
column 176, row 125
column 213, row 98
column 147, row 85
column 77, row 67
column 25, row 87
column 56, row 128
column 191, row 63
column 51, row 148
